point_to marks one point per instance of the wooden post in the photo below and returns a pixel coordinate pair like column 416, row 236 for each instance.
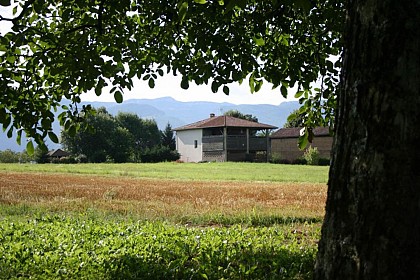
column 268, row 148
column 225, row 142
column 247, row 141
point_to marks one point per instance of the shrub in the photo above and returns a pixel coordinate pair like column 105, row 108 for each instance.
column 158, row 154
column 54, row 160
column 81, row 158
column 311, row 156
column 67, row 160
column 275, row 158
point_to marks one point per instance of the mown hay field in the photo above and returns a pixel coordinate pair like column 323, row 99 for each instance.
column 260, row 229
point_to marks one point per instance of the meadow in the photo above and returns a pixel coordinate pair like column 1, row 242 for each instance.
column 160, row 221
column 185, row 171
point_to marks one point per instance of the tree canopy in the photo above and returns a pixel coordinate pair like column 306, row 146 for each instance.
column 60, row 51
column 123, row 138
column 239, row 115
column 295, row 119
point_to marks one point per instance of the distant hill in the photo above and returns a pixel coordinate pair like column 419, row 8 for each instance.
column 177, row 113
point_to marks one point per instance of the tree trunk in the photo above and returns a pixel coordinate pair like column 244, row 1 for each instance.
column 372, row 224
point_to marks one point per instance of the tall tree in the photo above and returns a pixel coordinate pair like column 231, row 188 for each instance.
column 168, row 137
column 104, row 140
column 372, row 224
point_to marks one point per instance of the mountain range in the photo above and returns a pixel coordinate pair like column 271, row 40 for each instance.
column 168, row 110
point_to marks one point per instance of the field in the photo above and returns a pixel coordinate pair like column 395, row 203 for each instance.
column 159, row 221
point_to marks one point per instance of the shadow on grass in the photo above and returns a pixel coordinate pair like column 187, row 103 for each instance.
column 251, row 220
column 281, row 264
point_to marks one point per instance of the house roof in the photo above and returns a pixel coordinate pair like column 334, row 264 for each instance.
column 224, row 121
column 294, row 132
column 58, row 153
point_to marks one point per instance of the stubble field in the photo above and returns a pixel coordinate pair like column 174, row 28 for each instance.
column 161, row 227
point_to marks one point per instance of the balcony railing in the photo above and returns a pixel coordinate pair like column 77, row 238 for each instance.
column 213, row 143
column 234, row 143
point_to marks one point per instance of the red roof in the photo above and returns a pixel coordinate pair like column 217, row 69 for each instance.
column 294, row 132
column 224, row 121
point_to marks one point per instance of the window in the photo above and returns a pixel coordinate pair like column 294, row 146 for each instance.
column 195, row 144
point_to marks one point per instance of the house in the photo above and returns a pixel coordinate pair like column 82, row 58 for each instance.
column 223, row 138
column 57, row 154
column 284, row 143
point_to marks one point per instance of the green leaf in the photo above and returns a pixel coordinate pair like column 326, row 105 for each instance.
column 214, row 86
column 252, row 83
column 4, row 2
column 226, row 90
column 185, row 84
column 11, row 59
column 303, row 139
column 10, row 132
column 19, row 137
column 299, row 94
column 118, row 96
column 258, row 85
column 72, row 130
column 98, row 91
column 151, row 83
column 259, row 41
column 53, row 137
column 67, row 124
column 200, row 1
column 182, row 11
column 30, row 147
column 5, row 119
column 283, row 91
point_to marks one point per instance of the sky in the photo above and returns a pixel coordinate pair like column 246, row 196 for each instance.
column 169, row 85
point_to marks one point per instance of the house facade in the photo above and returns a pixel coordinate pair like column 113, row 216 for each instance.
column 223, row 138
column 284, row 143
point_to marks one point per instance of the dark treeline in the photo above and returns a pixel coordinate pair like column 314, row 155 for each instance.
column 121, row 138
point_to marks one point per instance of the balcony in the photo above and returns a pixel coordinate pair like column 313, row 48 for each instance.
column 234, row 143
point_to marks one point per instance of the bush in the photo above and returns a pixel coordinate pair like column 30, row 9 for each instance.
column 275, row 158
column 54, row 160
column 311, row 156
column 67, row 160
column 81, row 158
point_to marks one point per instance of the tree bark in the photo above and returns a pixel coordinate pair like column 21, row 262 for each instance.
column 372, row 224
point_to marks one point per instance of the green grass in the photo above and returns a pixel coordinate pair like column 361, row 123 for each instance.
column 189, row 171
column 62, row 247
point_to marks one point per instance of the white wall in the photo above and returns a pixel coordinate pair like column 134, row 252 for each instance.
column 185, row 145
